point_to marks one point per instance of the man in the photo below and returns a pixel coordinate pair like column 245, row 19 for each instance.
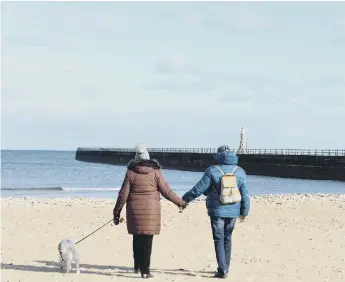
column 223, row 216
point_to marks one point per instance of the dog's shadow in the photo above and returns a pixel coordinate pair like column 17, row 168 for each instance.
column 50, row 267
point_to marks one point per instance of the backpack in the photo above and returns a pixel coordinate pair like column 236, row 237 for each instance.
column 229, row 192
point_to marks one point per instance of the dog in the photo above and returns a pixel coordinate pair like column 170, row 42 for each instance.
column 68, row 254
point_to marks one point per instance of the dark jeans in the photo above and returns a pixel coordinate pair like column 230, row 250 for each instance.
column 222, row 232
column 142, row 248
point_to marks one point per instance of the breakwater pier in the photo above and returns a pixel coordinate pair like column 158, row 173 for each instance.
column 290, row 163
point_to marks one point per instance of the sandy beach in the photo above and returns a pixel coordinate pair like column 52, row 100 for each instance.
column 285, row 238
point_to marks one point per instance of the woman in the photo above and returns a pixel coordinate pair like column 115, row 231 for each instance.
column 141, row 190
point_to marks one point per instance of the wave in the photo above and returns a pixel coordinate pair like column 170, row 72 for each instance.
column 91, row 189
column 34, row 189
column 61, row 189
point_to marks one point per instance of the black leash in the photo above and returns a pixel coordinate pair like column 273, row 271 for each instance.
column 61, row 256
column 94, row 231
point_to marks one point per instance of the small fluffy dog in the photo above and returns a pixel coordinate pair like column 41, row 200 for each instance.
column 68, row 254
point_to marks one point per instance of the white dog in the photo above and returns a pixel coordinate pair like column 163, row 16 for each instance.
column 68, row 254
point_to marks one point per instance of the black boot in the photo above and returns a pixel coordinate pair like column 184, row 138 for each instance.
column 220, row 275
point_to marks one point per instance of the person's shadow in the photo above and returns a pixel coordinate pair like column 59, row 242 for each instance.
column 123, row 271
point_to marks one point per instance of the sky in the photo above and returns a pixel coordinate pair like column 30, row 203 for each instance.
column 172, row 74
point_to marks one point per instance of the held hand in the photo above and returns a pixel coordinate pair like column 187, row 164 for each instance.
column 183, row 206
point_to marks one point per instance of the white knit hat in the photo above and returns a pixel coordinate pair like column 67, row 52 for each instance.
column 141, row 152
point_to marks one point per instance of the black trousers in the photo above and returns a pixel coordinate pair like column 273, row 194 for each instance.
column 142, row 249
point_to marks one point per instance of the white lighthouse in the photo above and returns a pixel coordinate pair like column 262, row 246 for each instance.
column 243, row 142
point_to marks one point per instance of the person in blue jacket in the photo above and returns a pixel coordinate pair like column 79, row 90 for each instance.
column 223, row 217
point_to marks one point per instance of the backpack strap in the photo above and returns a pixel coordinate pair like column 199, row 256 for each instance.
column 233, row 171
column 220, row 169
column 214, row 186
column 235, row 168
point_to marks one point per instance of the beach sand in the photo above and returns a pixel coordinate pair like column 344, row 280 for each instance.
column 285, row 238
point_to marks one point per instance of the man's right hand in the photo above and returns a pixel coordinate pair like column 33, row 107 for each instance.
column 242, row 218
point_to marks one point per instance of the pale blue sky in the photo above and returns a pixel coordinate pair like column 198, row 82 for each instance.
column 173, row 74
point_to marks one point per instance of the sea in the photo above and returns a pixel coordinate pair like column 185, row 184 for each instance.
column 58, row 174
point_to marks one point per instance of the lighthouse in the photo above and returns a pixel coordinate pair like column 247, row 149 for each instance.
column 243, row 142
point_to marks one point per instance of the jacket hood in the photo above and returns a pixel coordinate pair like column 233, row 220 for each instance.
column 227, row 158
column 143, row 166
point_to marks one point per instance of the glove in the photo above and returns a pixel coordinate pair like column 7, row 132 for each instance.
column 116, row 220
column 116, row 217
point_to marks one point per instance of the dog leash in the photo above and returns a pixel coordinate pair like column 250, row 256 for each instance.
column 121, row 219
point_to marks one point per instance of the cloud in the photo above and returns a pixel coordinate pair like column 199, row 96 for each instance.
column 39, row 24
column 247, row 91
column 186, row 77
column 242, row 19
column 174, row 65
column 340, row 22
column 177, row 87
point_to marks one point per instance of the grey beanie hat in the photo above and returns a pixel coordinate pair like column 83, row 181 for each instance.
column 223, row 148
column 141, row 152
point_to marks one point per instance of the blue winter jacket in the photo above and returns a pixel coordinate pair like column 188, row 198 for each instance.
column 227, row 162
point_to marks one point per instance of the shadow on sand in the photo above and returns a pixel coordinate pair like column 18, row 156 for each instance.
column 53, row 267
column 34, row 268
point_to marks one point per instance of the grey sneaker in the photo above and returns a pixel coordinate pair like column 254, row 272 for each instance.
column 146, row 276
